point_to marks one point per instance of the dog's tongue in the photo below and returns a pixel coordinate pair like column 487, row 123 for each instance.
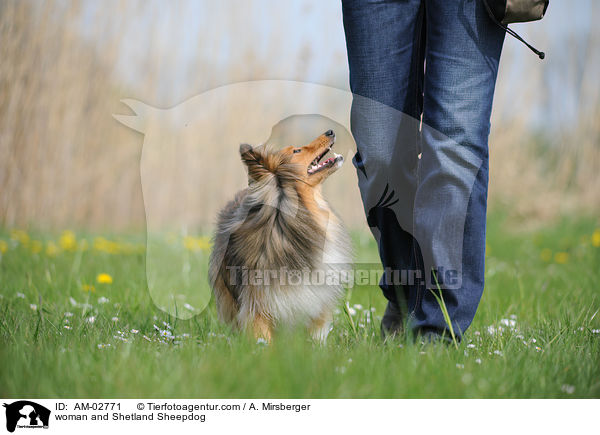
column 314, row 168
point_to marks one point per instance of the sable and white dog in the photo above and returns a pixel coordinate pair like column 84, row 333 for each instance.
column 276, row 235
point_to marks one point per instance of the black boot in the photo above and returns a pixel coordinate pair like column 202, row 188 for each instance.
column 392, row 322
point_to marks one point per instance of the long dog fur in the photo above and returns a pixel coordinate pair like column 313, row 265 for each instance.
column 279, row 222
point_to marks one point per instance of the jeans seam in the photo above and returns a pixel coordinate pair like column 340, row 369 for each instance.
column 418, row 137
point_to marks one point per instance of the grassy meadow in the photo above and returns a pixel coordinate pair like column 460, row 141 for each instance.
column 76, row 320
column 76, row 317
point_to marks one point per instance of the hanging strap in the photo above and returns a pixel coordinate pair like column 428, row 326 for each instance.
column 511, row 32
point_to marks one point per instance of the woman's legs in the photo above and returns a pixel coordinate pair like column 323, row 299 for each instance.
column 438, row 222
column 462, row 55
column 385, row 42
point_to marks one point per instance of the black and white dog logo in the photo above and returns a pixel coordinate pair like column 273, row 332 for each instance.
column 26, row 414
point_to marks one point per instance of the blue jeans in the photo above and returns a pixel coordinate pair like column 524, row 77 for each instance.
column 424, row 184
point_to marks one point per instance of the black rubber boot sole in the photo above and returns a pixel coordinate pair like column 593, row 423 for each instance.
column 392, row 322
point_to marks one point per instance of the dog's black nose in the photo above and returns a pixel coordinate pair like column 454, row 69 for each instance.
column 329, row 133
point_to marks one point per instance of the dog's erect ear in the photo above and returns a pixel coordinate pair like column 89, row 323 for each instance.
column 249, row 155
column 244, row 148
column 259, row 161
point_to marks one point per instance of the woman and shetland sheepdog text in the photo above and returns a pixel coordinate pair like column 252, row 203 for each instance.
column 280, row 221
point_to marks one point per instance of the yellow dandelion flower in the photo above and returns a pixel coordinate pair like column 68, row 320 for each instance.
column 36, row 246
column 128, row 248
column 88, row 288
column 561, row 257
column 596, row 238
column 67, row 241
column 21, row 236
column 103, row 245
column 196, row 243
column 51, row 249
column 546, row 255
column 100, row 244
column 104, row 278
column 3, row 246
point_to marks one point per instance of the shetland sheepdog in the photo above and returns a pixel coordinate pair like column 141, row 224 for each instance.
column 279, row 248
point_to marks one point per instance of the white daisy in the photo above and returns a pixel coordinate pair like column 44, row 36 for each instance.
column 509, row 322
column 569, row 389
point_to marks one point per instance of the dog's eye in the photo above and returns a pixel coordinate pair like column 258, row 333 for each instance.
column 297, row 150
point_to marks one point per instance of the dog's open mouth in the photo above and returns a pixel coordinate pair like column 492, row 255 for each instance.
column 316, row 165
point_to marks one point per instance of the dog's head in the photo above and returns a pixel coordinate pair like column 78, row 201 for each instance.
column 303, row 164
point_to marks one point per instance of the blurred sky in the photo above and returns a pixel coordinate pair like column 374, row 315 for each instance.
column 304, row 40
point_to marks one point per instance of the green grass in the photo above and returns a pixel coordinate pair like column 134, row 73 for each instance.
column 553, row 349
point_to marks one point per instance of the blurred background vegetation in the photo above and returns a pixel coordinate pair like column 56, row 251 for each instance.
column 65, row 65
